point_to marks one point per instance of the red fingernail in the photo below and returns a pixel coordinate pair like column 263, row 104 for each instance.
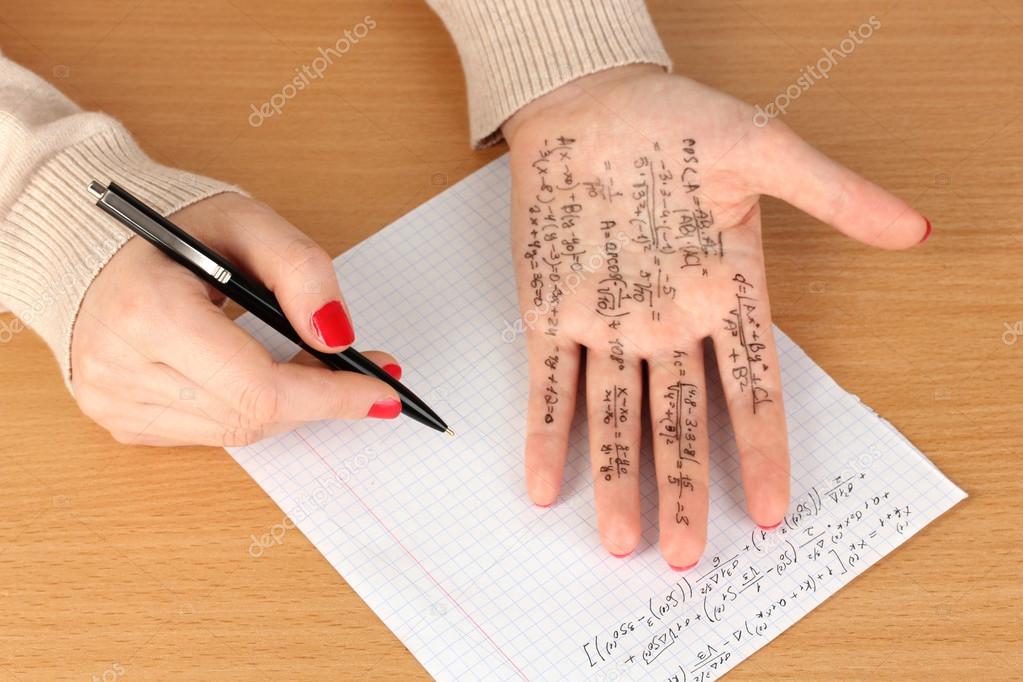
column 684, row 568
column 769, row 527
column 332, row 325
column 928, row 232
column 385, row 409
column 393, row 368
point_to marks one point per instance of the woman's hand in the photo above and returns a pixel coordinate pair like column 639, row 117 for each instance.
column 636, row 235
column 155, row 361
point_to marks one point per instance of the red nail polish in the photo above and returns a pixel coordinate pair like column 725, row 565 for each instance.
column 393, row 368
column 332, row 325
column 769, row 527
column 928, row 232
column 385, row 409
column 684, row 568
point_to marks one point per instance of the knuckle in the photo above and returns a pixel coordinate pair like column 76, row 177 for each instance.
column 133, row 313
column 86, row 370
column 352, row 399
column 239, row 426
column 259, row 403
column 241, row 434
column 303, row 254
column 348, row 407
column 838, row 202
column 91, row 404
column 137, row 327
column 737, row 400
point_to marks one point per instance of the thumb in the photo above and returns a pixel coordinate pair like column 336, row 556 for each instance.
column 295, row 268
column 790, row 169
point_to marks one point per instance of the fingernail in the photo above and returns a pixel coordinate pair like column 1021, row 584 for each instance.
column 769, row 527
column 542, row 506
column 393, row 368
column 385, row 409
column 332, row 325
column 684, row 568
column 620, row 556
column 928, row 232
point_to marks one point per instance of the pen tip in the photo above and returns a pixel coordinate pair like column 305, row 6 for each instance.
column 449, row 432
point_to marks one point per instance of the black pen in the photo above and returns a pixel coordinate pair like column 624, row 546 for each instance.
column 254, row 297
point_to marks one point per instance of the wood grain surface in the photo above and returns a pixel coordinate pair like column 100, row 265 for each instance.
column 133, row 562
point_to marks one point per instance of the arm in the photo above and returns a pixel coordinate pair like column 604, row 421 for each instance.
column 52, row 241
column 143, row 344
column 514, row 51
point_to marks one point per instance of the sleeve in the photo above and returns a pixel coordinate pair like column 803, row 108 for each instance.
column 514, row 51
column 53, row 241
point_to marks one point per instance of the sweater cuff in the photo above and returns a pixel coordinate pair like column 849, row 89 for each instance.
column 515, row 51
column 54, row 241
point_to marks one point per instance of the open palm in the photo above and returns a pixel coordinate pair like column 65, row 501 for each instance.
column 636, row 235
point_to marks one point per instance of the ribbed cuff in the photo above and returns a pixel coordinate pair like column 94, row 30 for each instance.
column 54, row 241
column 517, row 50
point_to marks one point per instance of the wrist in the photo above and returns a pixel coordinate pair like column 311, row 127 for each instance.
column 572, row 94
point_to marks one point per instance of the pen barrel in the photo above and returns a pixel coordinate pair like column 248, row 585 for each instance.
column 262, row 303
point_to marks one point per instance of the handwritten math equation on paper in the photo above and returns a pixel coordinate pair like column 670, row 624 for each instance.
column 752, row 593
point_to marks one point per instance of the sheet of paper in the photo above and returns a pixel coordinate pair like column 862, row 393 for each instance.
column 438, row 535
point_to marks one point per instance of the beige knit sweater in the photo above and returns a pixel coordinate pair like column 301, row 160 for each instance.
column 53, row 241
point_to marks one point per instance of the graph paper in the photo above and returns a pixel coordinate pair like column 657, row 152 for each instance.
column 439, row 537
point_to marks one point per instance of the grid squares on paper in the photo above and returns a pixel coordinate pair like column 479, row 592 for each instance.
column 438, row 535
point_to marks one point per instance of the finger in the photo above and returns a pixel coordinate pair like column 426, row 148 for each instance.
column 678, row 412
column 134, row 423
column 384, row 361
column 159, row 384
column 115, row 405
column 748, row 363
column 219, row 356
column 553, row 384
column 614, row 407
column 294, row 267
column 164, row 385
column 166, row 388
column 792, row 170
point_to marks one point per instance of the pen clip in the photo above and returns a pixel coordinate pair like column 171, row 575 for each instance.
column 119, row 203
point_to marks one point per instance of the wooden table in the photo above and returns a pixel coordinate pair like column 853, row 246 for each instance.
column 133, row 562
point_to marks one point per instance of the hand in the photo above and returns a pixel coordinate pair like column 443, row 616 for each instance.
column 155, row 361
column 636, row 235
